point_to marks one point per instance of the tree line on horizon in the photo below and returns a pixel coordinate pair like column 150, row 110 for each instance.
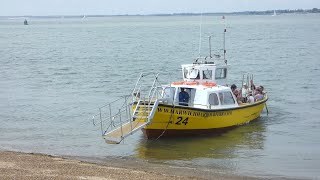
column 267, row 12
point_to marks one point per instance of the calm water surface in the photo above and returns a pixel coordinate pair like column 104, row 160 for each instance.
column 55, row 73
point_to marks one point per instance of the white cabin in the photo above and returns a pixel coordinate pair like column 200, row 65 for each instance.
column 205, row 84
column 207, row 72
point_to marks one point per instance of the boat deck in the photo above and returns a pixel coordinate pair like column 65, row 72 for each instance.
column 116, row 135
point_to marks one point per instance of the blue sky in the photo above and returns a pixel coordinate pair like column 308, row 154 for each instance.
column 108, row 7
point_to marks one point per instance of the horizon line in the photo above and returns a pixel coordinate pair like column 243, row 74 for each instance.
column 172, row 14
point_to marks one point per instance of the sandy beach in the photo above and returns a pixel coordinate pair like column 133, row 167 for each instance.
column 37, row 166
column 17, row 165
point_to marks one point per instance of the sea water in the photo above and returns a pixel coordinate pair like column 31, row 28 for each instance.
column 56, row 72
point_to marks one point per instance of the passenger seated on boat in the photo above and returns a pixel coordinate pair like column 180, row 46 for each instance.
column 237, row 95
column 233, row 87
column 256, row 89
column 262, row 90
column 183, row 98
column 258, row 96
column 250, row 98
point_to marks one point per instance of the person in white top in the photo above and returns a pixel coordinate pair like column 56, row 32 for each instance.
column 244, row 92
column 250, row 99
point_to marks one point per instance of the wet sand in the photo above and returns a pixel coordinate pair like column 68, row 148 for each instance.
column 16, row 165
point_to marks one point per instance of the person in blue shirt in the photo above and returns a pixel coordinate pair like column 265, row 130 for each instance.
column 183, row 98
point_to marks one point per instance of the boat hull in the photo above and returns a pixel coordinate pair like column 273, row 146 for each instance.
column 177, row 121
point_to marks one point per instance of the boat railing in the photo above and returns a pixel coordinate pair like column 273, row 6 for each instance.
column 114, row 113
column 141, row 89
column 130, row 113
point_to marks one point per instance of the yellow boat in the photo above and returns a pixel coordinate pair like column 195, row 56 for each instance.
column 201, row 103
column 195, row 121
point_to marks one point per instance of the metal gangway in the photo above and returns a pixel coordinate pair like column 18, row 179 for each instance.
column 130, row 113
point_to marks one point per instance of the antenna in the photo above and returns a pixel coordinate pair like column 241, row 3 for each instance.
column 224, row 39
column 210, row 46
column 224, row 44
column 200, row 36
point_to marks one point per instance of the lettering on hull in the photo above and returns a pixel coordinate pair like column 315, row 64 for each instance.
column 193, row 113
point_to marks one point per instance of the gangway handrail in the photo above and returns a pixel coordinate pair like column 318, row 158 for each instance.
column 115, row 115
column 134, row 113
column 135, row 86
column 154, row 81
column 123, row 135
column 112, row 120
column 112, row 117
column 120, row 98
column 140, row 77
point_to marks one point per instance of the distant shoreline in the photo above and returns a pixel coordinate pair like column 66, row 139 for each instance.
column 267, row 12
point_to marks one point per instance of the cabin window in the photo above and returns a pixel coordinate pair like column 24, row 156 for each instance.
column 226, row 98
column 213, row 99
column 198, row 75
column 221, row 73
column 207, row 74
column 191, row 73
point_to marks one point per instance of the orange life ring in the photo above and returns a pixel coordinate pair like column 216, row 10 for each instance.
column 178, row 83
column 209, row 84
column 185, row 83
column 191, row 83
